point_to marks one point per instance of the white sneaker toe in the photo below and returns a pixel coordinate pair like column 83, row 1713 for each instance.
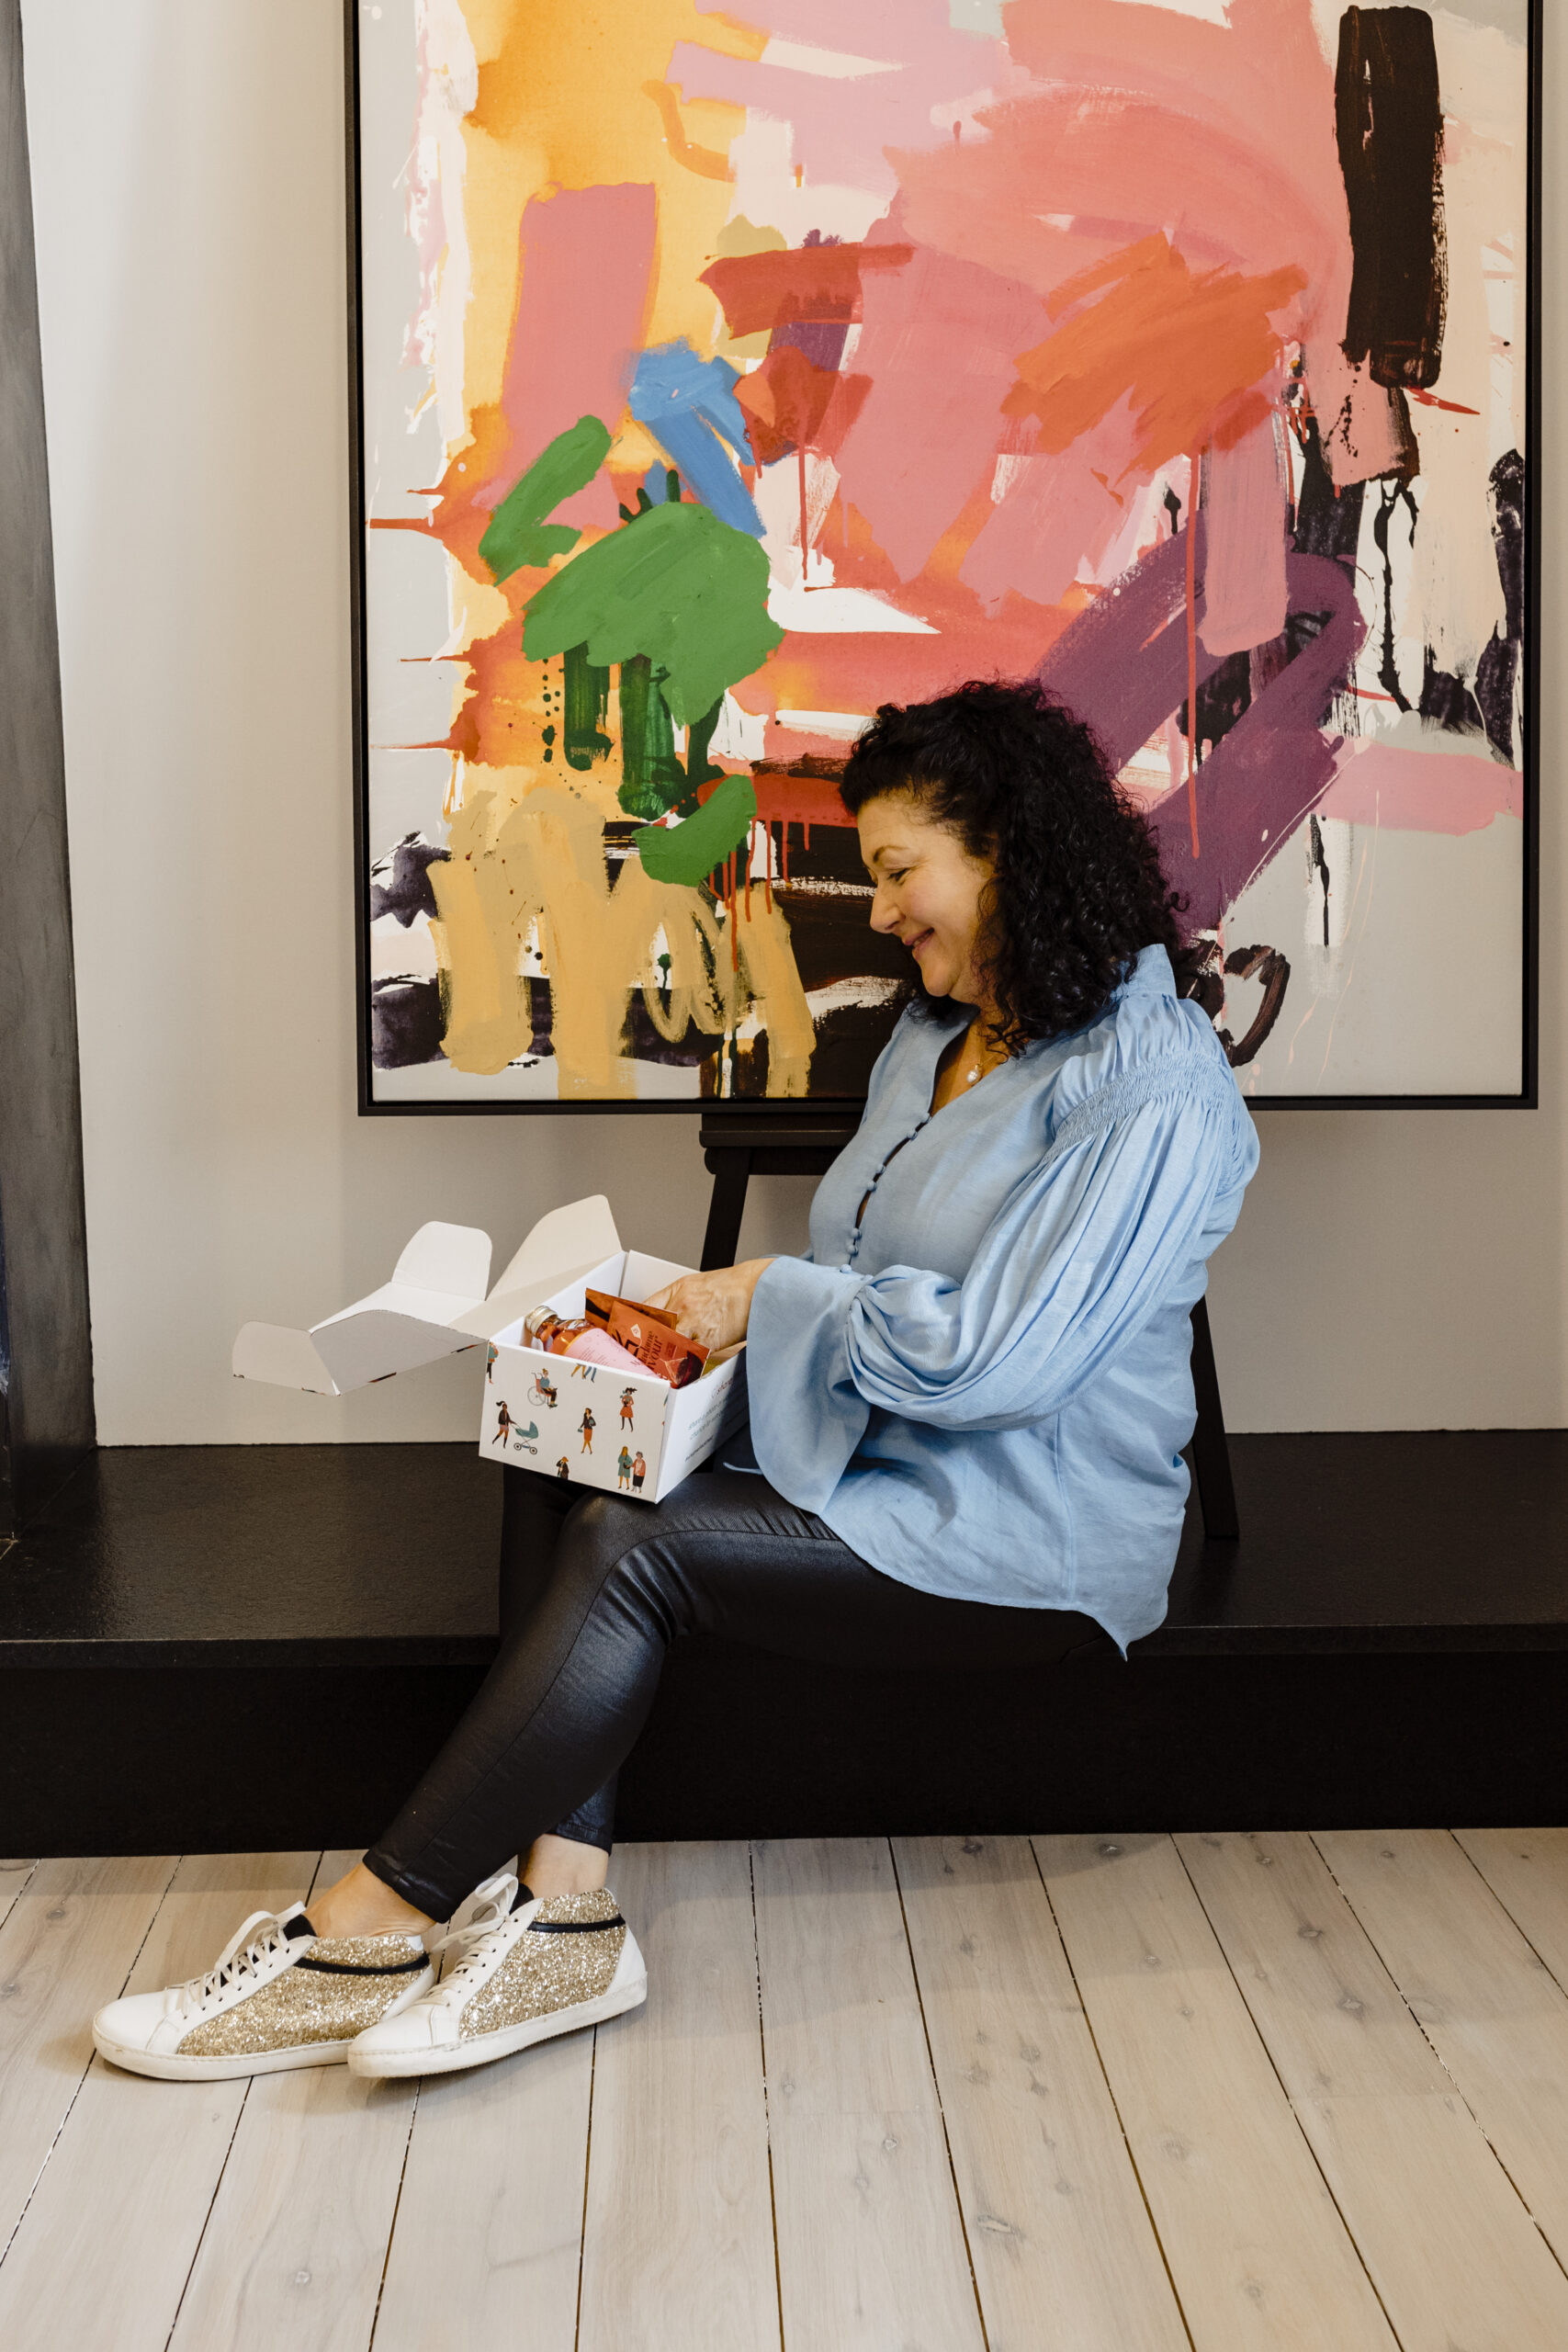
column 279, row 1996
column 138, row 2023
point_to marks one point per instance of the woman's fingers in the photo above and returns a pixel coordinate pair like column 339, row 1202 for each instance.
column 713, row 1307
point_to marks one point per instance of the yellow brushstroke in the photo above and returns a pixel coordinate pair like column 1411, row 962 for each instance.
column 571, row 97
column 563, row 103
column 706, row 161
column 538, row 858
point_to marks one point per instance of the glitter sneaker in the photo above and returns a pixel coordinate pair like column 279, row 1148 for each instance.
column 281, row 1995
column 516, row 1976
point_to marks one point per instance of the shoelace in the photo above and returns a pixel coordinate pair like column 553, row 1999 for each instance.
column 475, row 1941
column 246, row 1952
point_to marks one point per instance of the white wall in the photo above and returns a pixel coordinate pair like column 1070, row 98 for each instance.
column 1392, row 1270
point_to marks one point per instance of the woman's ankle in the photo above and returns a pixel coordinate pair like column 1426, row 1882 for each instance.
column 562, row 1866
column 363, row 1905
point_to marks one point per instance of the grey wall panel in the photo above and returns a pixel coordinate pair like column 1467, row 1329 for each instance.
column 50, row 1401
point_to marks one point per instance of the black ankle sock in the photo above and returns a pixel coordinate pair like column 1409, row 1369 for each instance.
column 524, row 1894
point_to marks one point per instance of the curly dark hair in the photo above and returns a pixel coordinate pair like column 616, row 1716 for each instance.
column 1078, row 888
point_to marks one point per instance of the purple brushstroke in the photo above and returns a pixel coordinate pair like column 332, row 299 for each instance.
column 1122, row 668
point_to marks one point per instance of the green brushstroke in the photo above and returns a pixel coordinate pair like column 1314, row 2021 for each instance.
column 517, row 532
column 689, row 852
column 679, row 586
column 699, row 769
column 586, row 700
column 652, row 776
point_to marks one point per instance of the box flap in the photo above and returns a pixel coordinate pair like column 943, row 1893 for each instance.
column 435, row 1305
column 287, row 1359
column 567, row 1245
column 453, row 1257
column 407, row 1321
column 374, row 1343
column 565, row 1240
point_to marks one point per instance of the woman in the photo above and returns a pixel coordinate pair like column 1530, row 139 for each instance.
column 968, row 1402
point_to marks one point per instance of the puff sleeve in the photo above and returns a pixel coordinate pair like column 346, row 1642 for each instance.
column 1073, row 1264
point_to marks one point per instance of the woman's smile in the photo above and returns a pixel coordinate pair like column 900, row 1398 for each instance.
column 928, row 893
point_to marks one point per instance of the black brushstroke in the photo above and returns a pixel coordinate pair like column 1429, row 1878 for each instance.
column 1320, row 867
column 1272, row 971
column 1326, row 521
column 400, row 882
column 645, row 1043
column 1388, row 117
column 541, row 1018
column 1222, row 698
column 405, row 1022
column 1497, row 672
column 1201, row 976
column 1390, row 495
column 1447, row 701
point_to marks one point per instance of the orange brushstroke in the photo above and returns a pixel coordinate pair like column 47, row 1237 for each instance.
column 785, row 400
column 1430, row 400
column 705, row 161
column 1190, row 352
column 780, row 288
column 799, row 800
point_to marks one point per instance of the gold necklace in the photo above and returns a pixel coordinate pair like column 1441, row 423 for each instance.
column 986, row 1057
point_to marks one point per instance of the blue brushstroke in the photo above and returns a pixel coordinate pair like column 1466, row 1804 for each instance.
column 680, row 397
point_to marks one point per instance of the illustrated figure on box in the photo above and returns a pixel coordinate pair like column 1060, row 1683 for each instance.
column 628, row 1402
column 502, row 1426
column 543, row 1391
column 968, row 1404
column 492, row 1352
column 624, row 1468
column 588, row 1425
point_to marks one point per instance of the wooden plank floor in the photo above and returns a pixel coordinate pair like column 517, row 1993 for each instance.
column 1123, row 2094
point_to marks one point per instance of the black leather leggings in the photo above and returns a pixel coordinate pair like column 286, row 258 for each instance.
column 594, row 1591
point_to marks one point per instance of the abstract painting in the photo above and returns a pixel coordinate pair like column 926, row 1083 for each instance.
column 724, row 375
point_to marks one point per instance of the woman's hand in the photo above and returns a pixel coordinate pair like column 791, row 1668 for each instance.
column 713, row 1307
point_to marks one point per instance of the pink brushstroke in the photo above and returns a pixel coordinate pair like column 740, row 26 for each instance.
column 842, row 126
column 1262, row 79
column 1244, row 578
column 1425, row 792
column 938, row 340
column 586, row 257
column 1060, row 513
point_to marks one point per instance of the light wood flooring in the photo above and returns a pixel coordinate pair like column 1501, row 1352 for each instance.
column 1118, row 2094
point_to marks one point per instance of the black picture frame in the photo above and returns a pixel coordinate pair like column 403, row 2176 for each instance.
column 819, row 1112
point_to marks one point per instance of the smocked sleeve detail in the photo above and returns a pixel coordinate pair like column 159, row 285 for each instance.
column 1068, row 1272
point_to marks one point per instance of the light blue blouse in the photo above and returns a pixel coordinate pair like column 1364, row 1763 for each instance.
column 984, row 1386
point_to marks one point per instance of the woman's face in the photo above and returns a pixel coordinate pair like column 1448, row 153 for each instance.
column 928, row 892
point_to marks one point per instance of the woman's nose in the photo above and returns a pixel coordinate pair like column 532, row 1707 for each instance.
column 883, row 913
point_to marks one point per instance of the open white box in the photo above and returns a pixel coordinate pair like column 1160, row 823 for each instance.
column 594, row 1425
column 434, row 1305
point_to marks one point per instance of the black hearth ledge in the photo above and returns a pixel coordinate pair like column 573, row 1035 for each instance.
column 384, row 1557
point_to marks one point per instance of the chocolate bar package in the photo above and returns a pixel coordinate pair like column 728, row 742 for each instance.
column 651, row 1336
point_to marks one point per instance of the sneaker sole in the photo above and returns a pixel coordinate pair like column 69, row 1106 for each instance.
column 168, row 2066
column 486, row 2046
